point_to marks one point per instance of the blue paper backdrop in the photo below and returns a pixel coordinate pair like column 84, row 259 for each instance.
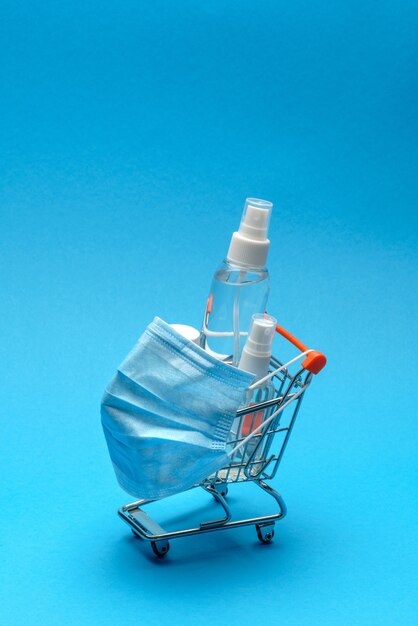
column 131, row 134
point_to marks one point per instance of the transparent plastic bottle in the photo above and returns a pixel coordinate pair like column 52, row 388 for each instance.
column 254, row 450
column 255, row 358
column 240, row 286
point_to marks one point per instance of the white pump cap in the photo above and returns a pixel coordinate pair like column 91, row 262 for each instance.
column 249, row 246
column 256, row 354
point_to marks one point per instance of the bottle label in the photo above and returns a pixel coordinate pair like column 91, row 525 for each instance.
column 251, row 421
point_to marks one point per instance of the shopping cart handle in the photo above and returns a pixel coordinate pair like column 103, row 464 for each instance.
column 315, row 361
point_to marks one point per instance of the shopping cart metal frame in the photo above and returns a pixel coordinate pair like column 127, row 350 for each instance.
column 254, row 458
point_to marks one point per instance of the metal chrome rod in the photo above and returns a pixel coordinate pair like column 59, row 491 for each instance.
column 142, row 532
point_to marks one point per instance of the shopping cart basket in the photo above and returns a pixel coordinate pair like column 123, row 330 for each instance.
column 255, row 448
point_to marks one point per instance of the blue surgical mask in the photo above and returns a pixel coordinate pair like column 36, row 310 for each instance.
column 167, row 413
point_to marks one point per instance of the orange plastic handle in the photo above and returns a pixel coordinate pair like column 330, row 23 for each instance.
column 314, row 362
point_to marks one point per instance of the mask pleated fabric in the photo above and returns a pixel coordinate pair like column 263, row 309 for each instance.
column 167, row 413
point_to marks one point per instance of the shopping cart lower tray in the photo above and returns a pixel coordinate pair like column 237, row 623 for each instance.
column 255, row 447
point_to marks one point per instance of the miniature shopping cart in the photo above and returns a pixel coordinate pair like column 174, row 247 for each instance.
column 255, row 448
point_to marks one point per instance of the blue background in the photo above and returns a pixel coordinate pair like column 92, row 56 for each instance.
column 131, row 134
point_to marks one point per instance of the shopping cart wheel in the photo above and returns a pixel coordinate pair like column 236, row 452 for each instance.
column 160, row 548
column 265, row 532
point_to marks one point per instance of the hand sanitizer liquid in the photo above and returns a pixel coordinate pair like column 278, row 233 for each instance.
column 240, row 286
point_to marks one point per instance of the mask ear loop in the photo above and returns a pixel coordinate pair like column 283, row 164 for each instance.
column 279, row 410
column 213, row 333
column 219, row 333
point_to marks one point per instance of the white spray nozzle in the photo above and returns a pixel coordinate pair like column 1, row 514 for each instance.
column 255, row 219
column 249, row 245
column 256, row 354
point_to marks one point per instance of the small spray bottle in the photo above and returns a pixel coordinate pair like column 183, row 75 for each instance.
column 255, row 358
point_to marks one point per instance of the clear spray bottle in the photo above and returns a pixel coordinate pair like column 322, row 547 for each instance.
column 240, row 286
column 255, row 358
